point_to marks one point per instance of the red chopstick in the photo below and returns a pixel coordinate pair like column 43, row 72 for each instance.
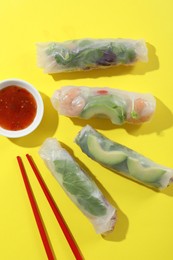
column 36, row 212
column 59, row 217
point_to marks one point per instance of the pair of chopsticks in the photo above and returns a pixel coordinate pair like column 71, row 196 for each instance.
column 37, row 215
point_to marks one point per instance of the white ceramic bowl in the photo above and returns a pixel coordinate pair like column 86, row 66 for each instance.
column 39, row 112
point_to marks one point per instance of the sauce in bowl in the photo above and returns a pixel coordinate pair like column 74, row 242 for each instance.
column 18, row 108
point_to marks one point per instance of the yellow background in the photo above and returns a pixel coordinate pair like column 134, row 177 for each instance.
column 144, row 229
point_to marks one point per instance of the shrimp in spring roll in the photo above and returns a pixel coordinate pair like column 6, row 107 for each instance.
column 117, row 105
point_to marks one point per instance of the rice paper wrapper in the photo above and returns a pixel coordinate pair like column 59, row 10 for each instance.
column 123, row 160
column 87, row 54
column 78, row 186
column 119, row 106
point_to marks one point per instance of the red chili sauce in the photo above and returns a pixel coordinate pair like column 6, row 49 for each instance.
column 17, row 108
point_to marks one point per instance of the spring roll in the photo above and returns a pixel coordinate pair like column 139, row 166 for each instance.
column 79, row 187
column 117, row 105
column 87, row 54
column 123, row 160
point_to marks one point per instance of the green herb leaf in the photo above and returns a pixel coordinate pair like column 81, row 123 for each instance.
column 75, row 181
column 93, row 206
column 79, row 184
column 134, row 114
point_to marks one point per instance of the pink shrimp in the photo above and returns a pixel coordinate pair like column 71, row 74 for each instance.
column 141, row 111
column 70, row 102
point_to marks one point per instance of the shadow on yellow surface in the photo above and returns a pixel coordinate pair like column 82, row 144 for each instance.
column 168, row 191
column 121, row 227
column 139, row 68
column 122, row 223
column 46, row 128
column 161, row 120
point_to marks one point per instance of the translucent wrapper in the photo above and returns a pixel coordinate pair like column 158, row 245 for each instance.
column 117, row 105
column 86, row 54
column 123, row 160
column 79, row 187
